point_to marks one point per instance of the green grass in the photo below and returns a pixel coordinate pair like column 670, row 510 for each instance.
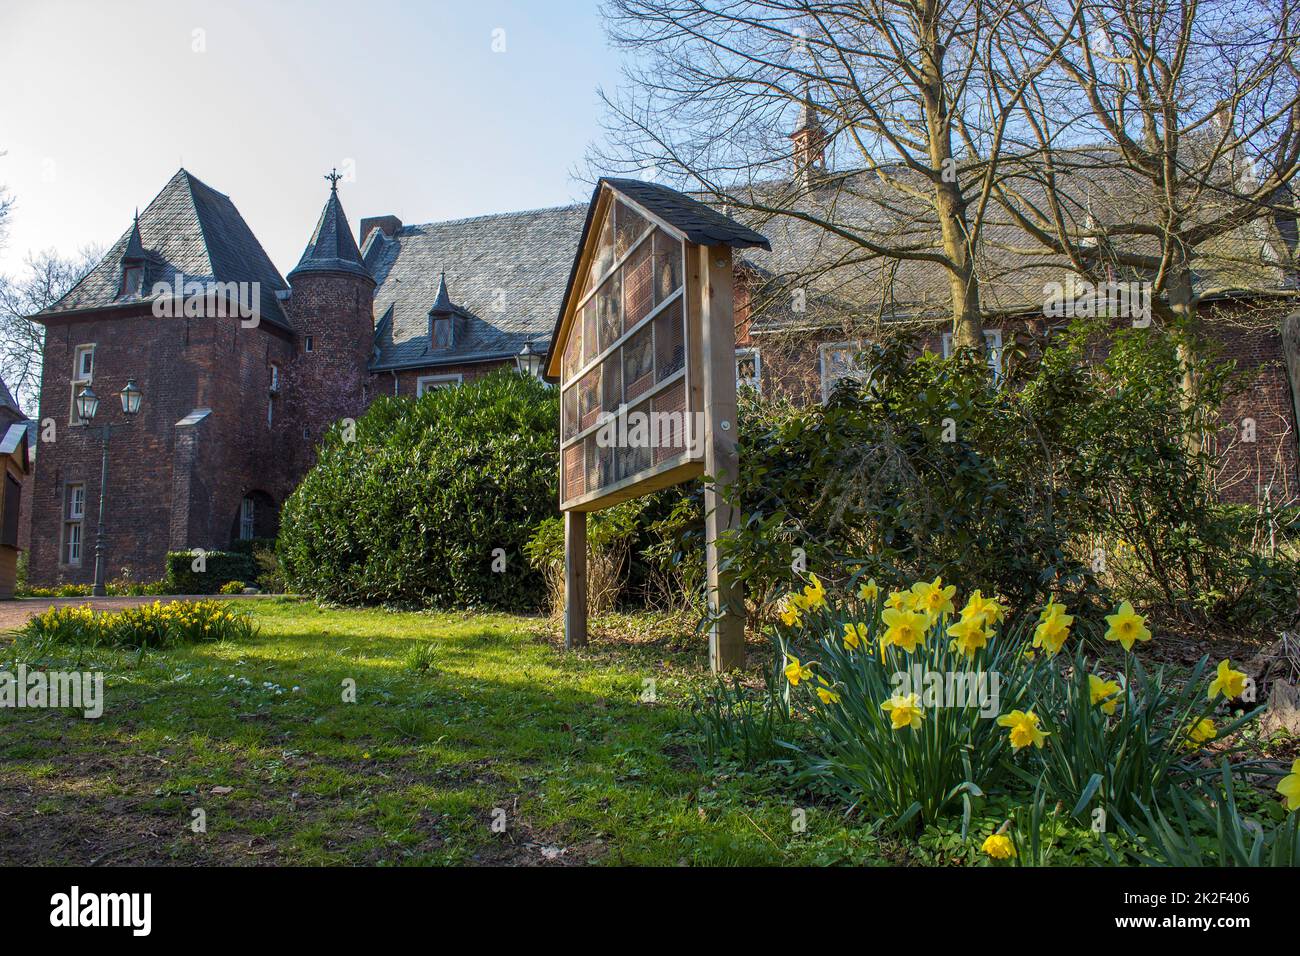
column 456, row 716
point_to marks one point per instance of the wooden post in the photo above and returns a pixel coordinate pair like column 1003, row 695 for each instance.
column 721, row 462
column 575, row 579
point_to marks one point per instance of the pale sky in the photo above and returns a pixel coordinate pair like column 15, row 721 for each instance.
column 104, row 99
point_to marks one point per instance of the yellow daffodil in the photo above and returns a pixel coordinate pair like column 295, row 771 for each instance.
column 814, row 595
column 933, row 598
column 1024, row 729
column 854, row 636
column 969, row 635
column 1127, row 626
column 869, row 591
column 1231, row 684
column 790, row 611
column 1029, row 653
column 1102, row 692
column 1289, row 787
column 899, row 601
column 1199, row 732
column 999, row 846
column 1052, row 632
column 795, row 672
column 987, row 609
column 904, row 711
column 905, row 629
column 824, row 691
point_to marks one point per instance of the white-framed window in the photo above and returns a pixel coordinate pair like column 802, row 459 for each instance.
column 83, row 373
column 247, row 519
column 749, row 370
column 308, row 343
column 275, row 378
column 992, row 349
column 74, row 513
column 427, row 383
column 840, row 360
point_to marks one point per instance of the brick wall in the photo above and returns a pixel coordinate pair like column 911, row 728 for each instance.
column 407, row 379
column 180, row 364
column 329, row 383
column 1248, row 470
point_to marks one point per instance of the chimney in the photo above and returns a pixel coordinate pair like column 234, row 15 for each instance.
column 809, row 139
column 388, row 225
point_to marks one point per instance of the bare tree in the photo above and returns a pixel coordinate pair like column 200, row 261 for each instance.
column 45, row 278
column 1162, row 143
column 901, row 87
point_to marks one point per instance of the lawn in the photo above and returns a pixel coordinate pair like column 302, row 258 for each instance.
column 501, row 727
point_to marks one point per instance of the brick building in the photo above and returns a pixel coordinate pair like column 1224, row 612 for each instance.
column 239, row 385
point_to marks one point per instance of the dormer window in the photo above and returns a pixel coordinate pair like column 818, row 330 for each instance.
column 133, row 260
column 442, row 318
column 132, row 279
column 440, row 330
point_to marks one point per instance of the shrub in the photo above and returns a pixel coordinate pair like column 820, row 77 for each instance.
column 269, row 579
column 214, row 570
column 610, row 534
column 928, row 471
column 232, row 587
column 413, row 507
column 151, row 625
column 1076, row 476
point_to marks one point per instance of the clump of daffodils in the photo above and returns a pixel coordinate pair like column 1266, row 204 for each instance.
column 149, row 625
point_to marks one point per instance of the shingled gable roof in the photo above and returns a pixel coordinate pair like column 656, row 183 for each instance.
column 698, row 223
column 331, row 247
column 188, row 228
column 504, row 275
column 7, row 400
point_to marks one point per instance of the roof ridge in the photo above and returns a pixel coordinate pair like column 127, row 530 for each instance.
column 491, row 215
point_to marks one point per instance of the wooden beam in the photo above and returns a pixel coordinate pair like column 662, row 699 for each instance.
column 721, row 461
column 575, row 579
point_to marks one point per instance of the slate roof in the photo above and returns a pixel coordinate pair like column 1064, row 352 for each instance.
column 844, row 286
column 187, row 228
column 7, row 400
column 504, row 275
column 701, row 224
column 331, row 247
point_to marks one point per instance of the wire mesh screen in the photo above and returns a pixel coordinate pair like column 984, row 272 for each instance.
column 623, row 368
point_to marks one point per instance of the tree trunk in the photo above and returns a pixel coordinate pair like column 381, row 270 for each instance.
column 1183, row 313
column 949, row 203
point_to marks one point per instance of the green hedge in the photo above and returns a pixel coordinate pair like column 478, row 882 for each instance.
column 220, row 567
column 412, row 509
column 252, row 545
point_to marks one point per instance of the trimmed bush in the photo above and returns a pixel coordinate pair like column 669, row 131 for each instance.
column 413, row 507
column 219, row 569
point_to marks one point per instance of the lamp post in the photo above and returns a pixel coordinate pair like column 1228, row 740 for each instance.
column 529, row 360
column 87, row 406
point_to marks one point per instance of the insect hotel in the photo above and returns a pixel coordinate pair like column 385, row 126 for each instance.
column 644, row 352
